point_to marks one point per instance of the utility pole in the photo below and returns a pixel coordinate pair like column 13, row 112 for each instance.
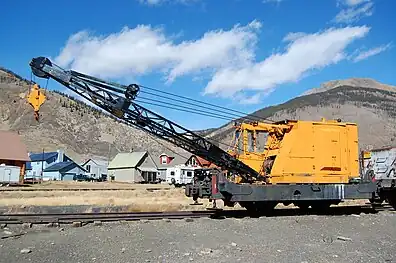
column 108, row 162
column 42, row 168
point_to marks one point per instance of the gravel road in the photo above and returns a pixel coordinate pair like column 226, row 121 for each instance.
column 308, row 238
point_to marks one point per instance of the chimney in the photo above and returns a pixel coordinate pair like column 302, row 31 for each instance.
column 60, row 155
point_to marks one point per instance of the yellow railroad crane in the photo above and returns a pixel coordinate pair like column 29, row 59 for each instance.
column 307, row 163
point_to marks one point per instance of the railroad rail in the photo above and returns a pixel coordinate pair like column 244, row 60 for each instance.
column 67, row 218
column 82, row 189
column 105, row 217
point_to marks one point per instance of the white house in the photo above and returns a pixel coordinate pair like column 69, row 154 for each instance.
column 96, row 169
column 135, row 167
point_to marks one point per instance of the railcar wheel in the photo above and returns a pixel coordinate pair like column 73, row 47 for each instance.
column 392, row 201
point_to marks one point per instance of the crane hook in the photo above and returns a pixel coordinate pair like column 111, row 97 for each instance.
column 36, row 98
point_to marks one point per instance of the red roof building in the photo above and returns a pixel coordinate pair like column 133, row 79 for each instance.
column 196, row 161
column 13, row 151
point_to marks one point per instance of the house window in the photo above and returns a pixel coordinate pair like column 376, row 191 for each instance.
column 189, row 174
column 88, row 168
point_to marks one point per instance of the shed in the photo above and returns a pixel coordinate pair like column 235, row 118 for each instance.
column 13, row 152
column 135, row 167
column 9, row 174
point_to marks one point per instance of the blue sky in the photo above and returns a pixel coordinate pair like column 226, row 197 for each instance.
column 244, row 55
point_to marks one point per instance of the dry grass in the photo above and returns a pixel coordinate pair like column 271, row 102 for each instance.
column 138, row 200
column 93, row 185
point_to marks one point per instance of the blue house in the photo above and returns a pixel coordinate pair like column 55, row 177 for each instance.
column 52, row 166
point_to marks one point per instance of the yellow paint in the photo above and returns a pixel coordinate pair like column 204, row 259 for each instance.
column 366, row 155
column 325, row 151
column 36, row 98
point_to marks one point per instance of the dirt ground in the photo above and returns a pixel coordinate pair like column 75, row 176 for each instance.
column 288, row 238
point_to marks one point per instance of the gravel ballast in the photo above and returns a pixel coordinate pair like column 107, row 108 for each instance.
column 310, row 238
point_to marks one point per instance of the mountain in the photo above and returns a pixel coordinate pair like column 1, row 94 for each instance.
column 84, row 132
column 353, row 82
column 368, row 103
column 65, row 123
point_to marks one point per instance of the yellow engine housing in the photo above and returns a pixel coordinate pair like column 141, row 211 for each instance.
column 303, row 151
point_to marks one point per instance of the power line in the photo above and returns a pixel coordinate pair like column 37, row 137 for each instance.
column 204, row 103
column 199, row 111
column 234, row 116
column 209, row 139
column 158, row 141
column 184, row 110
column 192, row 112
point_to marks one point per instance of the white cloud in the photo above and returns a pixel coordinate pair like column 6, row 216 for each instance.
column 305, row 53
column 143, row 49
column 354, row 10
column 293, row 36
column 227, row 57
column 353, row 2
column 371, row 52
column 272, row 1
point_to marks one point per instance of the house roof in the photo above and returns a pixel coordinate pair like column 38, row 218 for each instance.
column 57, row 166
column 37, row 157
column 12, row 147
column 148, row 169
column 177, row 160
column 126, row 160
column 61, row 166
column 97, row 162
column 202, row 161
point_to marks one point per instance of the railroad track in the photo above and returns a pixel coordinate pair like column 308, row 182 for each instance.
column 80, row 189
column 68, row 218
column 106, row 217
